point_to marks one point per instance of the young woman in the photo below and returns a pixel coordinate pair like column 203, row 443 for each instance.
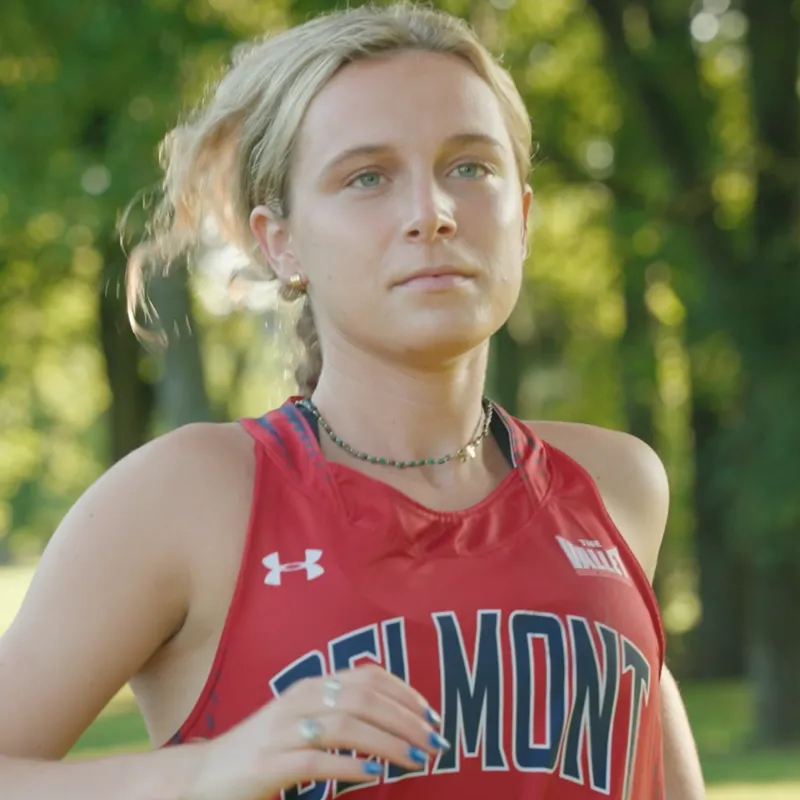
column 386, row 586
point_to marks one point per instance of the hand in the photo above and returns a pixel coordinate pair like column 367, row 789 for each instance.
column 365, row 710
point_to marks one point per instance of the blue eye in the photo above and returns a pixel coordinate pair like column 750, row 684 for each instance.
column 471, row 169
column 367, row 180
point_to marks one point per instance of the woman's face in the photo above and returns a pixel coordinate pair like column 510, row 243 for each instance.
column 407, row 214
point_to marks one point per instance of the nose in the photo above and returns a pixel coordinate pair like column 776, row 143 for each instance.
column 431, row 215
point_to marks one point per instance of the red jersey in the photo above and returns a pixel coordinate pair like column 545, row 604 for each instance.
column 525, row 620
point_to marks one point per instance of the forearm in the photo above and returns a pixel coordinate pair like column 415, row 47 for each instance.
column 161, row 775
column 682, row 772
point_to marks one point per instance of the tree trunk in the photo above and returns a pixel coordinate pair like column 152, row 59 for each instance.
column 774, row 654
column 132, row 397
column 639, row 372
column 718, row 642
column 181, row 393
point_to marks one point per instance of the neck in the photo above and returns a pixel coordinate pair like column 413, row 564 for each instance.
column 400, row 412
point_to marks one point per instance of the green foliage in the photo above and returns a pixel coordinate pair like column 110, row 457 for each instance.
column 89, row 89
column 662, row 288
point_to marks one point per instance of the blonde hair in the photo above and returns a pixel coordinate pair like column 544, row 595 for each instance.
column 234, row 152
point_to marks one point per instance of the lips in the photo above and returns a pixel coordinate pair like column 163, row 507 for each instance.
column 433, row 273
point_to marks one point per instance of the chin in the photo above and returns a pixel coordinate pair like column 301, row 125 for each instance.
column 436, row 341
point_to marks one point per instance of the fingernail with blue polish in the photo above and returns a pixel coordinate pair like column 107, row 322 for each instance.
column 415, row 754
column 373, row 768
column 432, row 717
column 438, row 741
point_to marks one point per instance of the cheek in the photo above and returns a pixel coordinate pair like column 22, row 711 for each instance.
column 346, row 224
column 499, row 213
column 508, row 243
column 509, row 213
column 342, row 266
column 505, row 241
column 320, row 248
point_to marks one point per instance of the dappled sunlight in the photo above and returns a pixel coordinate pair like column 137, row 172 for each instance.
column 20, row 460
column 69, row 384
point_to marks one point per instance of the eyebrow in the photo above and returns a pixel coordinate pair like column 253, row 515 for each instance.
column 379, row 149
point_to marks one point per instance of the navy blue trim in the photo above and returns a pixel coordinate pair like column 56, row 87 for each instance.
column 266, row 423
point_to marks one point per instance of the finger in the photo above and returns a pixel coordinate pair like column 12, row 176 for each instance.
column 341, row 731
column 300, row 766
column 380, row 680
column 384, row 713
column 361, row 700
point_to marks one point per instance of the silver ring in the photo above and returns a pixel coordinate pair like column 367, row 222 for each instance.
column 331, row 689
column 310, row 731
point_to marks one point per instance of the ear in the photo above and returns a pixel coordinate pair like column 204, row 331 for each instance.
column 272, row 232
column 527, row 202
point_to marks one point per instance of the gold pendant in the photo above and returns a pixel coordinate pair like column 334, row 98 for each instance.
column 466, row 453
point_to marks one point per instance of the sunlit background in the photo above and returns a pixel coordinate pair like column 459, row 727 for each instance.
column 662, row 297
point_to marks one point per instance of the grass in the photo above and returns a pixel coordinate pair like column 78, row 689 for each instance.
column 720, row 713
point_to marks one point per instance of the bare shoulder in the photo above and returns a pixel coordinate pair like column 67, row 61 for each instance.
column 629, row 475
column 184, row 475
column 114, row 583
column 201, row 447
column 161, row 497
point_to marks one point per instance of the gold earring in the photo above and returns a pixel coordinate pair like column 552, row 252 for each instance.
column 295, row 287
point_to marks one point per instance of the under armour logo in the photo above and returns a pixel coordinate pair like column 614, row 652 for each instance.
column 310, row 565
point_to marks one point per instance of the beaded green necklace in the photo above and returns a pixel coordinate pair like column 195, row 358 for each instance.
column 463, row 454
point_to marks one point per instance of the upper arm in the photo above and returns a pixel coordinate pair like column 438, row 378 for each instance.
column 110, row 588
column 635, row 488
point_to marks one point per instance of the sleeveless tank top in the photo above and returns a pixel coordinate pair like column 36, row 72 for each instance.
column 525, row 620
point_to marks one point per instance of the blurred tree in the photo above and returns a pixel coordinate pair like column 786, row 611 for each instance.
column 650, row 219
column 86, row 92
column 750, row 265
